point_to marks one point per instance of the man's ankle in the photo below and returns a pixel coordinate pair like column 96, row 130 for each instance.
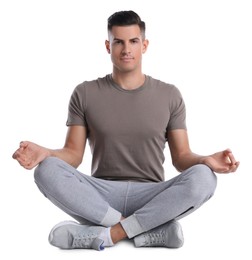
column 117, row 233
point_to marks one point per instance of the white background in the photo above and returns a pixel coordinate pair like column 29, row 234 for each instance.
column 47, row 47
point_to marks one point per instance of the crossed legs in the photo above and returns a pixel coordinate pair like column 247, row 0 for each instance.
column 129, row 208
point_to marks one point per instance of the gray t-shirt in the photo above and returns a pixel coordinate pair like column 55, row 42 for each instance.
column 127, row 128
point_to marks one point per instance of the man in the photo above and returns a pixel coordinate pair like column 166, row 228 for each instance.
column 127, row 117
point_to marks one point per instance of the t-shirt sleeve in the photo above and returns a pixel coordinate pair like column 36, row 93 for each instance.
column 177, row 111
column 76, row 108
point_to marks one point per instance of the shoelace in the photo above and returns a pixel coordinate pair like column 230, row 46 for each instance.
column 83, row 242
column 155, row 238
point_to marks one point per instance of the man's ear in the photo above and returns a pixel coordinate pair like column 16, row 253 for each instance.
column 107, row 44
column 145, row 45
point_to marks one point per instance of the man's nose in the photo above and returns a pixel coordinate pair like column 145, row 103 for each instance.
column 126, row 48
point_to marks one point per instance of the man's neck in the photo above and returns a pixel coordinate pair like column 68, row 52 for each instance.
column 129, row 81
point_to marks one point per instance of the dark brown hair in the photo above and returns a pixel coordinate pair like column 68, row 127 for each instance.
column 125, row 18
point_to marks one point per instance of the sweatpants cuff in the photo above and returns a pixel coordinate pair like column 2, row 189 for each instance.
column 111, row 218
column 131, row 226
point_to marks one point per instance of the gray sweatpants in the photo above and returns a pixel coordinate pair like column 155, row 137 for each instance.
column 144, row 205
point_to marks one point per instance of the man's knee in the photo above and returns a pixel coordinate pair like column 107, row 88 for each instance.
column 207, row 177
column 203, row 182
column 44, row 174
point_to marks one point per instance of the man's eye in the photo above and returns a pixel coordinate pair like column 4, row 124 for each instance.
column 134, row 41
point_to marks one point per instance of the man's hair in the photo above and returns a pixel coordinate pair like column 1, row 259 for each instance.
column 125, row 18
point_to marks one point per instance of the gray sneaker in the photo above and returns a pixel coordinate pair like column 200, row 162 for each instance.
column 168, row 235
column 71, row 235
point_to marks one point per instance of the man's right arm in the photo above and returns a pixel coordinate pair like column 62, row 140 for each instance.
column 30, row 154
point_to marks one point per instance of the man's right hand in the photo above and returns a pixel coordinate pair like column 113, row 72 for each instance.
column 30, row 154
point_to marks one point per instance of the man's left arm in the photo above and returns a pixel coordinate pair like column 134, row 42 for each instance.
column 183, row 158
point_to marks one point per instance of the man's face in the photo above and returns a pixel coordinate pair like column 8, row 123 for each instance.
column 126, row 47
